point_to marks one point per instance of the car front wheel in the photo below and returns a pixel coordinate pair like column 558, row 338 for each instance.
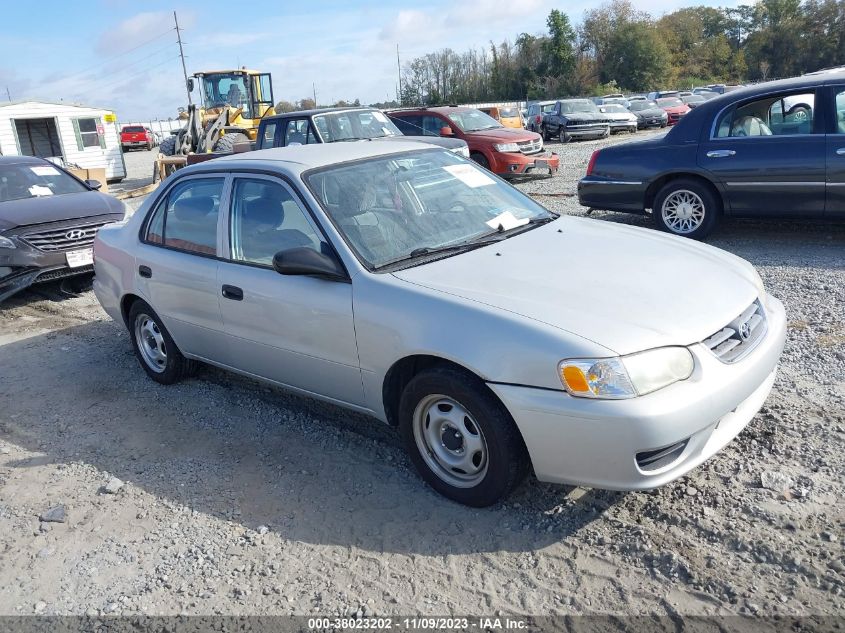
column 154, row 347
column 687, row 208
column 460, row 437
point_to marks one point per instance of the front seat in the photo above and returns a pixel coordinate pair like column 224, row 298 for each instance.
column 750, row 126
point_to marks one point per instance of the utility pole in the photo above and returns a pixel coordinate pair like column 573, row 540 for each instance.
column 314, row 90
column 182, row 56
column 399, row 71
column 8, row 94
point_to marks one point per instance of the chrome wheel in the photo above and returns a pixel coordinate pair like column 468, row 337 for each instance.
column 683, row 211
column 150, row 343
column 450, row 441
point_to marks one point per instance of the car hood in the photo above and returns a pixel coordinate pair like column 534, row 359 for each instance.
column 446, row 143
column 69, row 206
column 651, row 112
column 504, row 135
column 587, row 116
column 618, row 116
column 624, row 288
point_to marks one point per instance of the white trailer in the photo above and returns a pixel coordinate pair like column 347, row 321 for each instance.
column 69, row 135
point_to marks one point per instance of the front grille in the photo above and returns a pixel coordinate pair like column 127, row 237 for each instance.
column 531, row 147
column 67, row 238
column 61, row 273
column 649, row 461
column 740, row 336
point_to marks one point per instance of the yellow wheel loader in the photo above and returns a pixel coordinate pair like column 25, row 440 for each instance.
column 232, row 104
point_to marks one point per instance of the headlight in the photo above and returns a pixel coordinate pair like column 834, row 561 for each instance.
column 462, row 151
column 5, row 242
column 506, row 147
column 626, row 376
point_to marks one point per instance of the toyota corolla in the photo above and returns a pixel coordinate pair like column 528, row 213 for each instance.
column 407, row 283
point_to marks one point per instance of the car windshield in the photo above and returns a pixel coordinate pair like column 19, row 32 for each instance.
column 670, row 102
column 401, row 208
column 611, row 107
column 35, row 180
column 693, row 99
column 351, row 125
column 638, row 106
column 570, row 107
column 226, row 89
column 473, row 121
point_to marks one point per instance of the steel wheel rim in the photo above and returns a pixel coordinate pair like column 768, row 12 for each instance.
column 151, row 343
column 450, row 441
column 683, row 211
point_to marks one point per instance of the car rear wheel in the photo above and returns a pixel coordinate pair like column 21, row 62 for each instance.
column 687, row 208
column 460, row 437
column 154, row 347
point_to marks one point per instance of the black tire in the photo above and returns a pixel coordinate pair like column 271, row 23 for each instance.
column 544, row 133
column 176, row 367
column 168, row 146
column 226, row 143
column 481, row 159
column 563, row 137
column 712, row 207
column 506, row 460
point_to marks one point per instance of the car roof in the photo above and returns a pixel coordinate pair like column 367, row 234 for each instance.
column 22, row 160
column 299, row 158
column 303, row 113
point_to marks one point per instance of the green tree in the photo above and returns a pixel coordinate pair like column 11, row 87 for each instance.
column 636, row 57
column 560, row 46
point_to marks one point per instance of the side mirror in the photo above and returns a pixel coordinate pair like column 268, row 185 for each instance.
column 446, row 131
column 94, row 184
column 307, row 261
column 190, row 84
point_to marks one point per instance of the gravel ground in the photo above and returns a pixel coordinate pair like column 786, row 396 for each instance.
column 220, row 495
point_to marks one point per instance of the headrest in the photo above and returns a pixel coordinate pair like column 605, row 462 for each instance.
column 194, row 208
column 264, row 211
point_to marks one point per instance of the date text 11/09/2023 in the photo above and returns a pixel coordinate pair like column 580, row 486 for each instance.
column 418, row 624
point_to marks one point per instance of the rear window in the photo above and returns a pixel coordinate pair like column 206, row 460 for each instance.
column 133, row 128
column 508, row 112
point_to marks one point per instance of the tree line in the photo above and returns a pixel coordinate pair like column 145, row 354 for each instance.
column 617, row 47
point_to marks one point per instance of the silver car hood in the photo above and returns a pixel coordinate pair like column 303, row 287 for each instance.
column 625, row 288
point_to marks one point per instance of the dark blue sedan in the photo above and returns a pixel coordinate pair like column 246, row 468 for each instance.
column 776, row 149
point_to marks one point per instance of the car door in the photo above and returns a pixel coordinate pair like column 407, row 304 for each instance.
column 292, row 329
column 176, row 264
column 769, row 155
column 835, row 206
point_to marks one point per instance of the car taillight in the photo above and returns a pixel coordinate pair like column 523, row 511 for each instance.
column 592, row 162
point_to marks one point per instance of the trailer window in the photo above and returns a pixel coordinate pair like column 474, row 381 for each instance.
column 87, row 133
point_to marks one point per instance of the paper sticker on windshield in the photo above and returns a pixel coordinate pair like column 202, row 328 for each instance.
column 470, row 176
column 44, row 170
column 507, row 221
column 40, row 190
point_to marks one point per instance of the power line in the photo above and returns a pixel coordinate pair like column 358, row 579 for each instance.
column 136, row 74
column 96, row 79
column 126, row 52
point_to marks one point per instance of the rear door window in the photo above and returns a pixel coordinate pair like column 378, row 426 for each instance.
column 298, row 132
column 409, row 124
column 268, row 138
column 839, row 109
column 772, row 115
column 186, row 219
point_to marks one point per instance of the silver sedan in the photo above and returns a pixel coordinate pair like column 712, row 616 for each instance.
column 405, row 282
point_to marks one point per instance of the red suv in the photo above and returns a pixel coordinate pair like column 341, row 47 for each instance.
column 136, row 136
column 504, row 151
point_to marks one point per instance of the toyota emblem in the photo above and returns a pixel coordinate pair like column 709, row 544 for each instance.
column 745, row 331
column 75, row 234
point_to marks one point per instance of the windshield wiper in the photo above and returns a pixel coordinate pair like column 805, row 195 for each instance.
column 424, row 251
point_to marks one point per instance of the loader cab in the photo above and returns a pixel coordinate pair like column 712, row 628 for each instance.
column 250, row 91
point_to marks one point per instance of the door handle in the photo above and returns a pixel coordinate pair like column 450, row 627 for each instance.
column 721, row 153
column 233, row 292
column 145, row 271
column 840, row 151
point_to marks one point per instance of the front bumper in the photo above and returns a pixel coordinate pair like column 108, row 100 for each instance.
column 516, row 164
column 596, row 443
column 652, row 122
column 617, row 126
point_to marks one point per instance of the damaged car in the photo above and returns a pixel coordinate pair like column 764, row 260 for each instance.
column 48, row 220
